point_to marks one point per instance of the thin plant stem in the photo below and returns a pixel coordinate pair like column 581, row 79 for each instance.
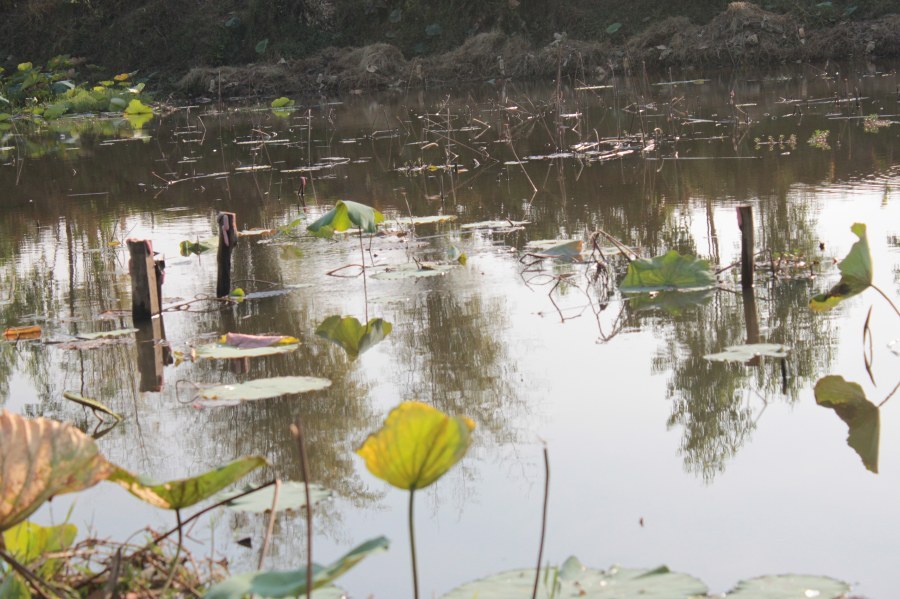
column 31, row 577
column 362, row 254
column 177, row 553
column 297, row 430
column 890, row 395
column 271, row 526
column 886, row 298
column 537, row 572
column 412, row 545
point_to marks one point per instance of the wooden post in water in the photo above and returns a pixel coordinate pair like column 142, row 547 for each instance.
column 227, row 227
column 745, row 223
column 144, row 287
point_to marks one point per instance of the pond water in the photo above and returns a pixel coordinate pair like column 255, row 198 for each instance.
column 658, row 455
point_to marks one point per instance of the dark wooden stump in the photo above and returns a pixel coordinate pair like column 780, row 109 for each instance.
column 145, row 289
column 226, row 225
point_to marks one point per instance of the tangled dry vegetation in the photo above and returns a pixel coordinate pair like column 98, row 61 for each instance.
column 743, row 34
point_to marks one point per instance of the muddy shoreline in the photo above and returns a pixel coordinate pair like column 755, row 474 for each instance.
column 743, row 35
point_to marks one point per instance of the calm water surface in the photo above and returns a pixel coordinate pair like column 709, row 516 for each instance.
column 658, row 456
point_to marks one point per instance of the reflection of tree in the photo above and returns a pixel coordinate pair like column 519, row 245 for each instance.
column 451, row 355
column 714, row 402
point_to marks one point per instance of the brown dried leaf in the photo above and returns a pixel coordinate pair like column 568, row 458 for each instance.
column 41, row 458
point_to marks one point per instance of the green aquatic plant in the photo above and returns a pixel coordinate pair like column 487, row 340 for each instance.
column 415, row 447
column 352, row 335
column 670, row 271
column 862, row 417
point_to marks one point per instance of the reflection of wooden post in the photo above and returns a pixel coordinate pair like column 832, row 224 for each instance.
column 152, row 354
column 751, row 321
column 745, row 222
column 225, row 223
column 144, row 286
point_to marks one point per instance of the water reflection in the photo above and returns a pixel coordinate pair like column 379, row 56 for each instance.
column 453, row 340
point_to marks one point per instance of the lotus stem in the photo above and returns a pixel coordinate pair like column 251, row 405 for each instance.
column 271, row 526
column 362, row 254
column 297, row 430
column 886, row 298
column 537, row 572
column 35, row 582
column 412, row 545
column 177, row 553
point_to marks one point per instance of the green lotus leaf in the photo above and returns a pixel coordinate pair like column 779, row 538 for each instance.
column 186, row 248
column 745, row 353
column 40, row 458
column 29, row 542
column 135, row 106
column 856, row 273
column 669, row 271
column 350, row 334
column 282, row 102
column 291, row 496
column 223, row 351
column 416, row 446
column 343, row 216
column 574, row 580
column 861, row 416
column 789, row 586
column 182, row 493
column 262, row 389
column 292, row 583
column 93, row 404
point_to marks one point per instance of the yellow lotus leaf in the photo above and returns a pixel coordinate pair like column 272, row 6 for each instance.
column 40, row 458
column 416, row 445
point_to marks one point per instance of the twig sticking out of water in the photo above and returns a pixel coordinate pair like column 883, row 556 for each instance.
column 537, row 573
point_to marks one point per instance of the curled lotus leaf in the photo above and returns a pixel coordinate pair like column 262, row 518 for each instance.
column 416, row 446
column 40, row 458
column 669, row 271
column 352, row 335
column 574, row 580
column 292, row 583
column 185, row 492
column 345, row 215
column 856, row 273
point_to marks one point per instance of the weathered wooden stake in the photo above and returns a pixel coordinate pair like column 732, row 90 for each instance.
column 144, row 286
column 745, row 223
column 226, row 224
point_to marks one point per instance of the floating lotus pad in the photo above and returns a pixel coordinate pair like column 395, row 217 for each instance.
column 291, row 496
column 412, row 271
column 106, row 334
column 574, row 580
column 422, row 220
column 789, row 586
column 292, row 583
column 235, row 345
column 496, row 224
column 745, row 353
column 262, row 389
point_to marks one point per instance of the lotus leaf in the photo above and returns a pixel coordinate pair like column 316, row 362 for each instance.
column 344, row 215
column 262, row 389
column 496, row 224
column 856, row 273
column 576, row 581
column 106, row 334
column 41, row 458
column 416, row 445
column 789, row 586
column 186, row 248
column 413, row 271
column 28, row 542
column 178, row 494
column 423, row 220
column 669, row 271
column 862, row 416
column 222, row 351
column 91, row 403
column 350, row 334
column 745, row 353
column 566, row 249
column 291, row 496
column 243, row 341
column 282, row 102
column 292, row 583
column 135, row 106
